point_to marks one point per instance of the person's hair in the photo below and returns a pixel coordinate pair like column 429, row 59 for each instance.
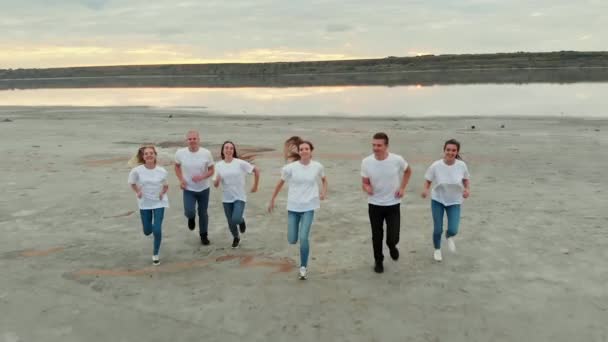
column 234, row 155
column 192, row 131
column 312, row 147
column 456, row 143
column 381, row 135
column 291, row 148
column 140, row 154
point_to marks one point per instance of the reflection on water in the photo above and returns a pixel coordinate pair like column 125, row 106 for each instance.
column 574, row 100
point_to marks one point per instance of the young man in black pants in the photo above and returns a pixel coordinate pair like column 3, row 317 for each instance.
column 385, row 176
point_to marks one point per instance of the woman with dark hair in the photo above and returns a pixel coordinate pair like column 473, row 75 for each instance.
column 149, row 182
column 303, row 198
column 231, row 172
column 450, row 179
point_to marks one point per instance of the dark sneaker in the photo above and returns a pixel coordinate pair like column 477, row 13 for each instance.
column 394, row 253
column 205, row 240
column 242, row 227
column 379, row 267
column 191, row 223
column 235, row 242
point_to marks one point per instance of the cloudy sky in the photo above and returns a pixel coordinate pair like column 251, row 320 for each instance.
column 53, row 33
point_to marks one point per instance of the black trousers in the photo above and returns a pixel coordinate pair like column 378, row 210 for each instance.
column 378, row 214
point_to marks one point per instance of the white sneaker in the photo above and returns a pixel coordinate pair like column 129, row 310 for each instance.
column 451, row 244
column 437, row 255
column 155, row 260
column 302, row 272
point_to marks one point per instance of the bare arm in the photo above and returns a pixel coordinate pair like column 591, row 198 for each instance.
column 163, row 191
column 210, row 172
column 366, row 185
column 406, row 178
column 180, row 176
column 323, row 194
column 277, row 189
column 136, row 189
column 467, row 188
column 426, row 188
column 256, row 179
column 199, row 178
column 178, row 172
column 404, row 181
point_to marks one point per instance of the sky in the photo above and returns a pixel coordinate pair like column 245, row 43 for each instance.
column 54, row 33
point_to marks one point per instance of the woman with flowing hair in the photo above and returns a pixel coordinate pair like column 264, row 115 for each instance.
column 230, row 173
column 149, row 182
column 303, row 198
column 291, row 149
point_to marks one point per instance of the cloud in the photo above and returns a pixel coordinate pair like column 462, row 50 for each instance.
column 338, row 28
column 170, row 31
column 95, row 4
column 272, row 30
column 63, row 56
column 277, row 55
column 91, row 55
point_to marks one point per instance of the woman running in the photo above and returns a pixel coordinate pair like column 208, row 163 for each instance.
column 303, row 198
column 450, row 179
column 231, row 172
column 149, row 182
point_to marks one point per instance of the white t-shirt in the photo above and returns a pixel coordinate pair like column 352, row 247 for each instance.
column 151, row 182
column 447, row 181
column 303, row 182
column 233, row 179
column 385, row 177
column 194, row 164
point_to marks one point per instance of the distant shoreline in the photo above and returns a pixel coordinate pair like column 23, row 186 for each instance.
column 550, row 67
column 15, row 111
column 299, row 75
column 384, row 78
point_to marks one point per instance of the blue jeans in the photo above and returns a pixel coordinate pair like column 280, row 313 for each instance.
column 453, row 212
column 191, row 198
column 152, row 220
column 298, row 226
column 234, row 215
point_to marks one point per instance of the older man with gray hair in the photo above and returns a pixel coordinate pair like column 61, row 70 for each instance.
column 194, row 166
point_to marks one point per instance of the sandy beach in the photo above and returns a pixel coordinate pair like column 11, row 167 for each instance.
column 530, row 264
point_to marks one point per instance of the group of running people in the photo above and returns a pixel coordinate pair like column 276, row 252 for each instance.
column 385, row 177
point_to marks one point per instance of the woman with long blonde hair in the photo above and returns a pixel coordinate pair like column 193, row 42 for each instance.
column 291, row 149
column 303, row 198
column 149, row 182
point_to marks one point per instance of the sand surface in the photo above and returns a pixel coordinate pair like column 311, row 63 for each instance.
column 530, row 265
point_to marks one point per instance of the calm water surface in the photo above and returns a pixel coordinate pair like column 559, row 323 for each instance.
column 570, row 100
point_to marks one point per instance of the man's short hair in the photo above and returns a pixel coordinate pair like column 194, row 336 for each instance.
column 381, row 135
